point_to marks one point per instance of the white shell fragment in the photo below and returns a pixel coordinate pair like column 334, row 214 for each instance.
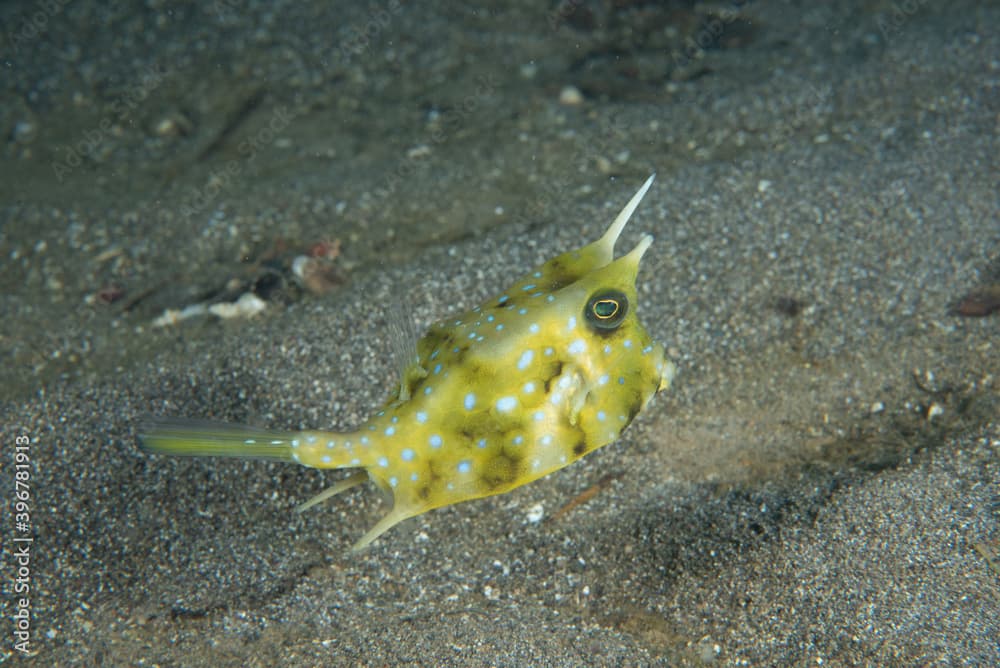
column 246, row 306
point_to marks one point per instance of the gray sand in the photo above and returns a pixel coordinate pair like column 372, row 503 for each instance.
column 820, row 487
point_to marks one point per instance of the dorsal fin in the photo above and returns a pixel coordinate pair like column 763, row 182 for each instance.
column 403, row 345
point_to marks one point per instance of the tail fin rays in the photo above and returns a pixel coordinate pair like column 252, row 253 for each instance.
column 203, row 438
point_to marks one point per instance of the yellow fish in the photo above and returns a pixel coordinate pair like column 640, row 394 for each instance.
column 518, row 387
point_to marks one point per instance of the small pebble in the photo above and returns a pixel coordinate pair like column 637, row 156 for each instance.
column 24, row 132
column 571, row 96
column 174, row 124
column 418, row 151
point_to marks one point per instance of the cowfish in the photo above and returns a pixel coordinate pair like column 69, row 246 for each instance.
column 528, row 382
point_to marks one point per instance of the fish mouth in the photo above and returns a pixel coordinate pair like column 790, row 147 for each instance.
column 668, row 374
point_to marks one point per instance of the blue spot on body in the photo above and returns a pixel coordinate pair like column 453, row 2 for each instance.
column 577, row 347
column 522, row 311
column 389, row 431
column 383, row 462
column 470, row 401
column 506, row 404
column 499, row 327
column 529, row 287
column 407, row 454
column 533, row 328
column 518, row 440
column 421, row 417
column 525, row 360
column 437, row 368
column 550, row 298
column 602, row 416
column 435, row 441
column 464, row 466
column 482, row 443
column 428, row 389
column 621, row 380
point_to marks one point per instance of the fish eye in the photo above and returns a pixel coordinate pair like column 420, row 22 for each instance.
column 606, row 310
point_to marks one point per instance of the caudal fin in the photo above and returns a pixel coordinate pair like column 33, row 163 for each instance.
column 201, row 438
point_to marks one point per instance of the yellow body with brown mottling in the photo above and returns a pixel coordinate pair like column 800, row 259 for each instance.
column 556, row 366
